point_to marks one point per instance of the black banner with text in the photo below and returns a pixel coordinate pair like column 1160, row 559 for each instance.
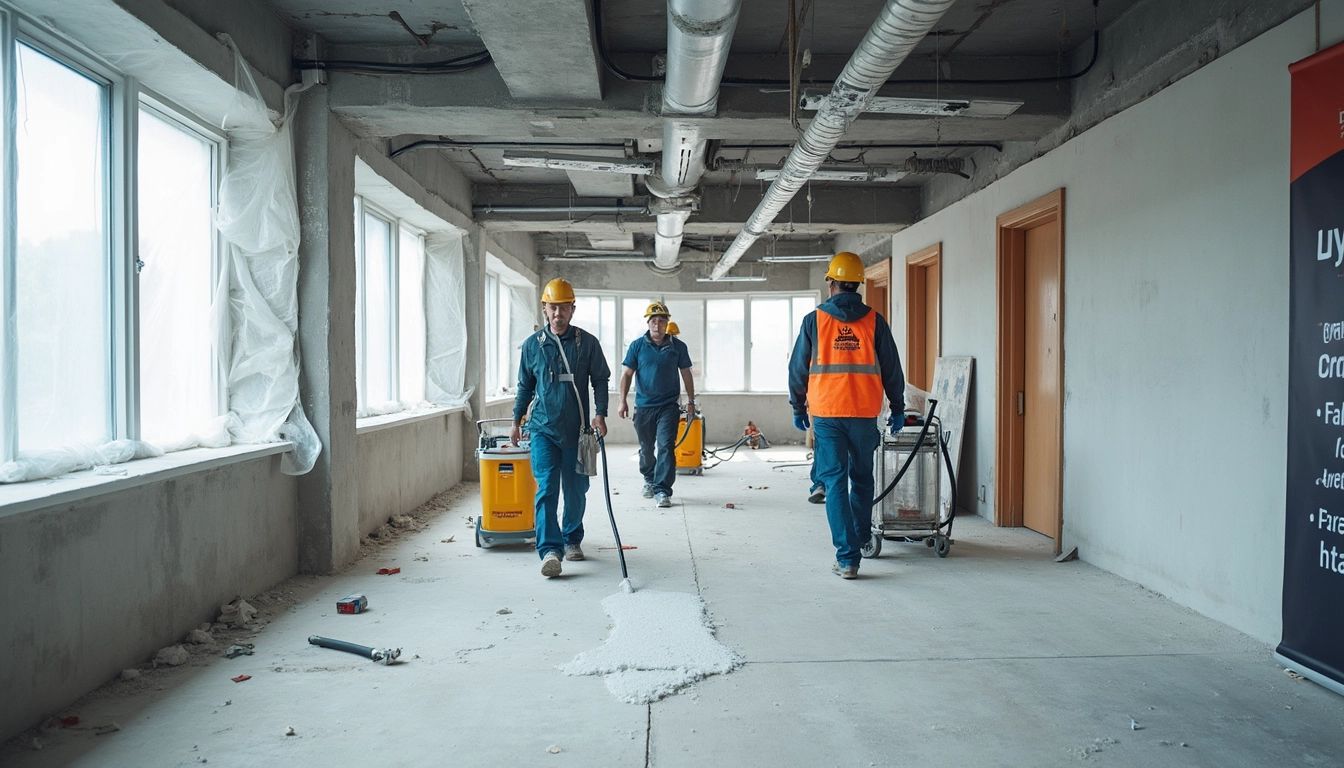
column 1313, row 562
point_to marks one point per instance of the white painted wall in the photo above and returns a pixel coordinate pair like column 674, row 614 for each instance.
column 1175, row 329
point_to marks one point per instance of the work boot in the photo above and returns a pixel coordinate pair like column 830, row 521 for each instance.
column 845, row 571
column 661, row 500
column 648, row 491
column 572, row 552
column 550, row 565
column 818, row 496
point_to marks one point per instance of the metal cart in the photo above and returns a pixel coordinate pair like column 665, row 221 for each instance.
column 911, row 511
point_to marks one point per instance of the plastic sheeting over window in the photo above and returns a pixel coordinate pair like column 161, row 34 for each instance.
column 445, row 320
column 258, row 286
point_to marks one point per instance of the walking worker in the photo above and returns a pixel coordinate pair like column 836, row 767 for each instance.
column 662, row 364
column 559, row 363
column 843, row 361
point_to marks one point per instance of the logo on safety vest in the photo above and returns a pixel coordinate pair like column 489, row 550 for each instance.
column 846, row 341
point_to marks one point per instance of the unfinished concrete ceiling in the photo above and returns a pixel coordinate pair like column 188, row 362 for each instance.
column 548, row 90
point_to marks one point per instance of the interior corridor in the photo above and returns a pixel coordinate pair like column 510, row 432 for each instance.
column 994, row 656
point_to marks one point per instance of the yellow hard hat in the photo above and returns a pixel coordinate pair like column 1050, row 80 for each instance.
column 558, row 291
column 673, row 329
column 655, row 309
column 845, row 267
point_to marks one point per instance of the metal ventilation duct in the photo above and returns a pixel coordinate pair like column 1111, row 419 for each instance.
column 898, row 29
column 699, row 33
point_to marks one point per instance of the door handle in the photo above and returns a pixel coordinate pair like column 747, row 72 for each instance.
column 1021, row 403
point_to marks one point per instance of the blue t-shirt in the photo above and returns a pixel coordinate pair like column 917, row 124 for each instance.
column 657, row 369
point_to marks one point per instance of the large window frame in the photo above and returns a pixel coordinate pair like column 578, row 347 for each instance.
column 502, row 355
column 398, row 228
column 122, row 98
column 700, row 352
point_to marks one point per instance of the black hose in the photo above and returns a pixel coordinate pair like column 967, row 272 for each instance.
column 606, row 486
column 928, row 421
column 952, row 478
column 463, row 63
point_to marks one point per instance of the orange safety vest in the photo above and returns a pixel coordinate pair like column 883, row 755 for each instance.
column 845, row 380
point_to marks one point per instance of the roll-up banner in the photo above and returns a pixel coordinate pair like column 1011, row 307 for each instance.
column 1313, row 558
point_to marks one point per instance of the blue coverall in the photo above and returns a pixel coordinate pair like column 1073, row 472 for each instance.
column 657, row 370
column 843, row 456
column 555, row 425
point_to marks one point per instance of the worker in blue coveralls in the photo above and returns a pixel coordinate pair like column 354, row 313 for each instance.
column 559, row 364
column 660, row 364
column 843, row 362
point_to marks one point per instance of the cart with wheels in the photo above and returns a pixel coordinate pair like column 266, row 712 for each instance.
column 909, row 509
column 508, row 487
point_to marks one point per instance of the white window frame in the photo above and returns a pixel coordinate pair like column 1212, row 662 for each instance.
column 397, row 226
column 619, row 354
column 123, row 98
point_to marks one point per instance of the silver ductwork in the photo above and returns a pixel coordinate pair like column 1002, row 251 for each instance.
column 699, row 33
column 898, row 29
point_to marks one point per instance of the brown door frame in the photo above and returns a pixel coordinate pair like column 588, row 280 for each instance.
column 1010, row 378
column 916, row 302
column 880, row 272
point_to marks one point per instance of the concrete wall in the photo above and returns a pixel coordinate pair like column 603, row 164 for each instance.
column 93, row 587
column 1175, row 329
column 402, row 466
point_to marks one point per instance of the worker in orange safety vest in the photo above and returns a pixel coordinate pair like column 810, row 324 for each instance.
column 843, row 362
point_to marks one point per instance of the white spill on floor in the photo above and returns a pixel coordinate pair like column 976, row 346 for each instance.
column 660, row 642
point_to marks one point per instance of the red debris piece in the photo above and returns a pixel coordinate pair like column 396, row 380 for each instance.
column 241, row 678
column 730, row 505
column 69, row 721
column 388, row 571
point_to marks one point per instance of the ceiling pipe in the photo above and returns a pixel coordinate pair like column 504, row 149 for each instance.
column 699, row 33
column 898, row 29
column 557, row 210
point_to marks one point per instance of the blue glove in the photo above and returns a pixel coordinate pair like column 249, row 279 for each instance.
column 800, row 421
column 894, row 422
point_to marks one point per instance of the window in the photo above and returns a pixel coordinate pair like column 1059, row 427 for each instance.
column 109, row 338
column 737, row 342
column 510, row 316
column 179, row 383
column 390, row 258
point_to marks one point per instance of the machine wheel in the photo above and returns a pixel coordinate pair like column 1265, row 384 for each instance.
column 873, row 548
column 698, row 471
column 942, row 545
column 929, row 542
column 478, row 532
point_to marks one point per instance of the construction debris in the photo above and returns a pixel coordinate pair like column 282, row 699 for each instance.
column 129, row 674
column 199, row 637
column 244, row 649
column 237, row 613
column 171, row 656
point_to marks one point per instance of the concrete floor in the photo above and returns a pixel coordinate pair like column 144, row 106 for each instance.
column 995, row 656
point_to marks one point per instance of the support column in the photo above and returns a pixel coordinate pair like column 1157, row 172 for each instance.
column 473, row 253
column 328, row 520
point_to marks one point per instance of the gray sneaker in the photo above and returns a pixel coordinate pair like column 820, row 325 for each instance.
column 550, row 565
column 818, row 496
column 648, row 491
column 572, row 552
column 661, row 500
column 845, row 571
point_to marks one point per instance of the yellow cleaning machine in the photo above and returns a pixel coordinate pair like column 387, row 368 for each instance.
column 690, row 445
column 508, row 488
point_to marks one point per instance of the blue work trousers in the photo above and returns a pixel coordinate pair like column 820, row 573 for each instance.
column 843, row 461
column 656, row 429
column 554, row 466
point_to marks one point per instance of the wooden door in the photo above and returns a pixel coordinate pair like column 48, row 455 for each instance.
column 1041, row 396
column 923, row 313
column 877, row 288
column 1029, row 376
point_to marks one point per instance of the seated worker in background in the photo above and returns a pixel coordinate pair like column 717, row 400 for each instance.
column 754, row 437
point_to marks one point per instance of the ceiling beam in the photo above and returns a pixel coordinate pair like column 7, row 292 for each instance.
column 542, row 48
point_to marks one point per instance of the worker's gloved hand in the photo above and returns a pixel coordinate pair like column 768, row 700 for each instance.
column 800, row 421
column 894, row 422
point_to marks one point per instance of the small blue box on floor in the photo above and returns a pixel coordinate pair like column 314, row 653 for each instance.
column 352, row 604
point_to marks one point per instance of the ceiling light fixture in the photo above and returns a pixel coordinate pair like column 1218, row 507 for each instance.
column 733, row 279
column 635, row 166
column 796, row 259
column 865, row 173
column 891, row 105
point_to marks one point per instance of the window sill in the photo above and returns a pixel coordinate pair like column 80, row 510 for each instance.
column 391, row 420
column 498, row 400
column 17, row 498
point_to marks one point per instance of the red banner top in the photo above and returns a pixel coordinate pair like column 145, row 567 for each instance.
column 1318, row 108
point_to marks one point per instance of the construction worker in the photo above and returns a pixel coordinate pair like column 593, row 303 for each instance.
column 662, row 364
column 843, row 361
column 559, row 364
